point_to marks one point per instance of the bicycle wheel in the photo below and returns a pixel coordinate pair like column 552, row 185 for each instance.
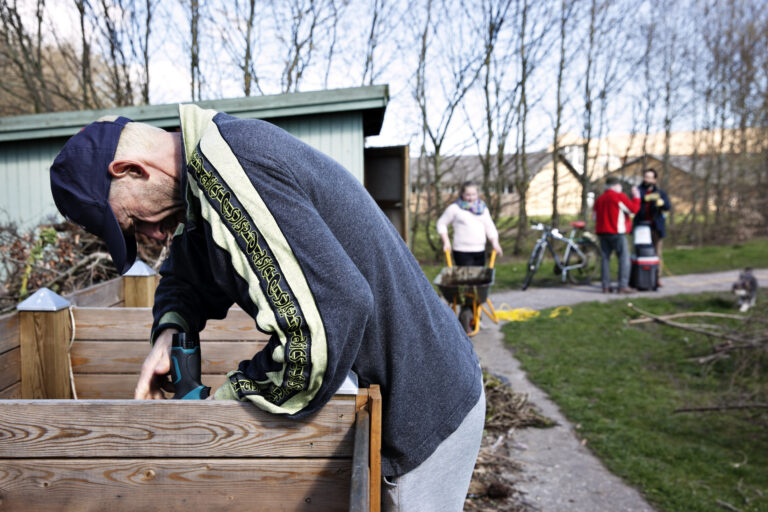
column 586, row 272
column 533, row 264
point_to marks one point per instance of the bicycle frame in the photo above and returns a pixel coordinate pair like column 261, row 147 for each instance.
column 570, row 246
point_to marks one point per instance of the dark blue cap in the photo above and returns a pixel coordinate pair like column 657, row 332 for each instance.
column 80, row 182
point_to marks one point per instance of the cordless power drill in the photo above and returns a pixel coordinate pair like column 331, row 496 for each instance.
column 185, row 367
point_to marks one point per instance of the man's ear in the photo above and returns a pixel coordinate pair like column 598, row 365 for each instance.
column 122, row 168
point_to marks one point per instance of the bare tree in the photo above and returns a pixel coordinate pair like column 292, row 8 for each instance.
column 498, row 97
column 369, row 71
column 566, row 10
column 606, row 72
column 522, row 176
column 112, row 22
column 532, row 40
column 649, row 31
column 194, row 49
column 460, row 68
column 142, row 12
column 196, row 15
column 22, row 52
column 85, row 63
column 304, row 18
column 240, row 41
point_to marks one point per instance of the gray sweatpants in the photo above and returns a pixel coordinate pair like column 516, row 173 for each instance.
column 440, row 483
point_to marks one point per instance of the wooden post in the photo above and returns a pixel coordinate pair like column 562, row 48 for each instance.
column 44, row 335
column 374, row 402
column 139, row 285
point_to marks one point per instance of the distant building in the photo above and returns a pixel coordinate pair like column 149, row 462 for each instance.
column 459, row 169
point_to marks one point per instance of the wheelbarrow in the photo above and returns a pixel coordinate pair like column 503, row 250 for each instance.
column 466, row 290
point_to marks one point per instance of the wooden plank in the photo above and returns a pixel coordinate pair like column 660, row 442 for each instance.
column 238, row 325
column 374, row 405
column 99, row 386
column 11, row 393
column 360, row 492
column 112, row 323
column 45, row 337
column 9, row 331
column 170, row 428
column 127, row 485
column 139, row 291
column 106, row 294
column 10, row 368
column 219, row 357
column 135, row 324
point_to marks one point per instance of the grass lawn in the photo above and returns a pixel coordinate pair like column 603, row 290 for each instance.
column 510, row 271
column 619, row 384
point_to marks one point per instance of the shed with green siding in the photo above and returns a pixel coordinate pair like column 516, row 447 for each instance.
column 334, row 121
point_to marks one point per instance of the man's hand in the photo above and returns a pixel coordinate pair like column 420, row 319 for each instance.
column 155, row 368
column 636, row 192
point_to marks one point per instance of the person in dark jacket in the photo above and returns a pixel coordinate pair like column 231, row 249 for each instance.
column 654, row 205
column 283, row 231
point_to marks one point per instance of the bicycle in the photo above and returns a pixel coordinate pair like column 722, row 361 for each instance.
column 580, row 258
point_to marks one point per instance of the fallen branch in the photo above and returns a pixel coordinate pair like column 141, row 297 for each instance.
column 700, row 330
column 682, row 315
column 727, row 506
column 32, row 265
column 91, row 259
column 721, row 408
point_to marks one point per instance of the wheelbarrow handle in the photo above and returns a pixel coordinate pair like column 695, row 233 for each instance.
column 448, row 258
column 493, row 259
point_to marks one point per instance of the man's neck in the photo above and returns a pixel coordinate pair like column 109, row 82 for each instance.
column 169, row 156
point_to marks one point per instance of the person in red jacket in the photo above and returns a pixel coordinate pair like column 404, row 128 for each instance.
column 613, row 217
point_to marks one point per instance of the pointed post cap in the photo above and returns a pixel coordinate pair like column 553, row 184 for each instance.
column 43, row 300
column 139, row 268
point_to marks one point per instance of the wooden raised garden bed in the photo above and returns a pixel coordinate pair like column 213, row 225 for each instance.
column 106, row 452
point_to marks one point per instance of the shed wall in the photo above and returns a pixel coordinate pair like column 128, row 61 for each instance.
column 25, row 195
column 339, row 136
column 25, row 190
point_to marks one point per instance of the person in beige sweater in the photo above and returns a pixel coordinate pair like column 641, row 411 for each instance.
column 472, row 225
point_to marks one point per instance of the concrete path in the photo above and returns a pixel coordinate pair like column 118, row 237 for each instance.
column 559, row 473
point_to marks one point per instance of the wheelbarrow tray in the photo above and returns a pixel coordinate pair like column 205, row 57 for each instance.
column 456, row 282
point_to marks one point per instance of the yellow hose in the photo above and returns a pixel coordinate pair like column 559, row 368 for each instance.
column 505, row 312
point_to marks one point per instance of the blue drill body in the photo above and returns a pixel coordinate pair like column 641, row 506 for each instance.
column 185, row 367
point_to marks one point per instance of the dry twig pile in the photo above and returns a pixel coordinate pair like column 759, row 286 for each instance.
column 493, row 482
column 62, row 257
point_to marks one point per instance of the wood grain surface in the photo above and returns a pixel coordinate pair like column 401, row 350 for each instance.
column 10, row 368
column 101, row 324
column 374, row 405
column 44, row 340
column 360, row 492
column 184, row 485
column 170, row 428
column 119, row 386
column 139, row 291
column 218, row 357
column 9, row 331
column 11, row 392
column 106, row 294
